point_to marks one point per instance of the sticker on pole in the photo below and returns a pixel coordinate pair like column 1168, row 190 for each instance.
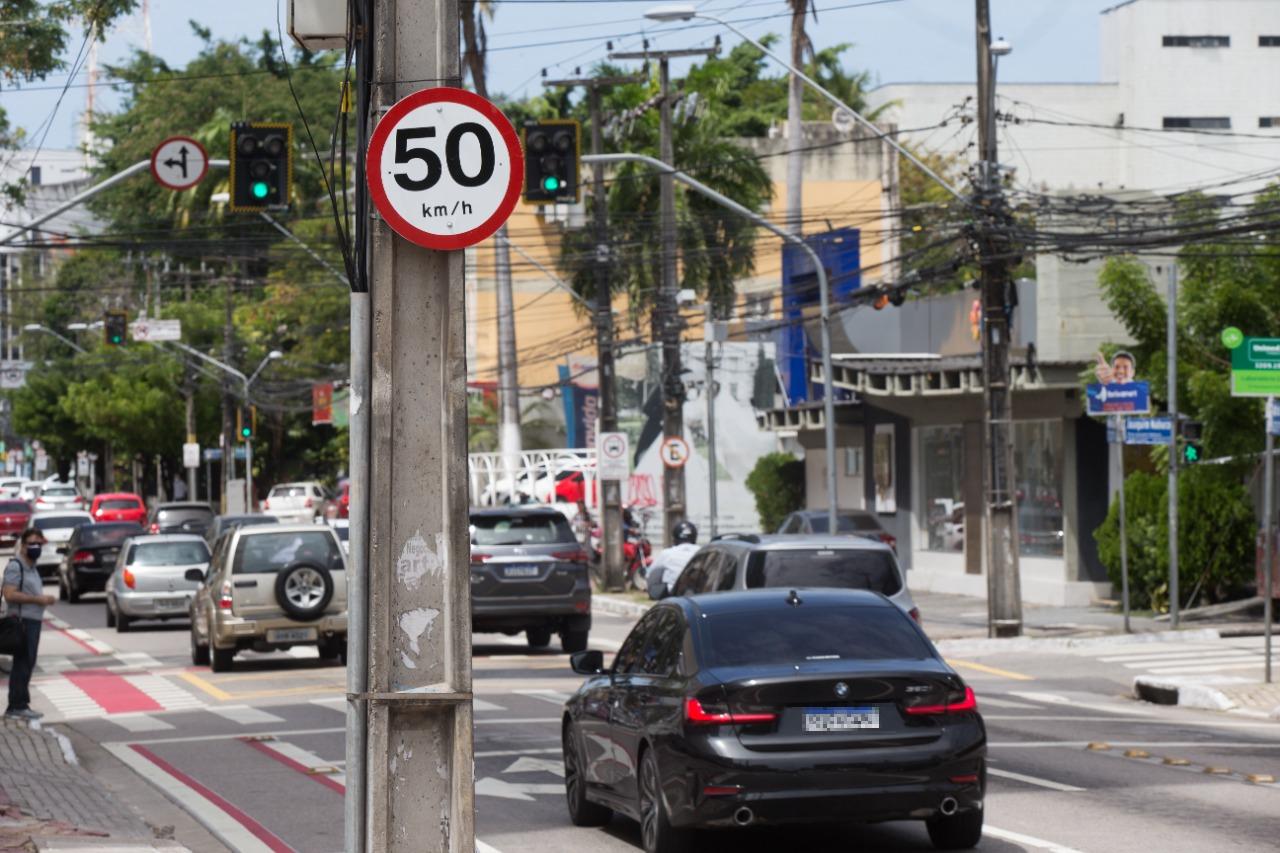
column 674, row 451
column 179, row 163
column 444, row 168
column 613, row 457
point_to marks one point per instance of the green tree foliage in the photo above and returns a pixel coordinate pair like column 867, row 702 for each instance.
column 777, row 482
column 1215, row 537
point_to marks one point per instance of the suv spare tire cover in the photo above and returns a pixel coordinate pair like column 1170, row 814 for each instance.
column 303, row 590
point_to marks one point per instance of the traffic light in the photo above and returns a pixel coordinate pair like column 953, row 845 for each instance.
column 1192, row 448
column 261, row 165
column 1192, row 452
column 115, row 328
column 551, row 150
column 246, row 422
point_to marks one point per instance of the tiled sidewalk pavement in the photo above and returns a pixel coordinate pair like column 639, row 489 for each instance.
column 37, row 777
column 1263, row 698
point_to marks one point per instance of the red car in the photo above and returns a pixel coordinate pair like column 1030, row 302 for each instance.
column 119, row 506
column 340, row 506
column 14, row 518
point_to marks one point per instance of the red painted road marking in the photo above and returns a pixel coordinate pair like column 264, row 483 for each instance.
column 79, row 642
column 113, row 692
column 265, row 749
column 259, row 831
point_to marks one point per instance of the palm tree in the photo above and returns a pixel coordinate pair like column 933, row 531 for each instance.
column 801, row 47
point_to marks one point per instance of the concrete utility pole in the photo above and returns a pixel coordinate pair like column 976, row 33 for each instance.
column 1004, row 589
column 228, row 443
column 666, row 309
column 611, row 503
column 419, row 775
column 709, row 386
column 1171, row 357
column 1268, row 536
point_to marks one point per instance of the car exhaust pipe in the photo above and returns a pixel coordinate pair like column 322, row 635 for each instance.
column 744, row 816
column 949, row 806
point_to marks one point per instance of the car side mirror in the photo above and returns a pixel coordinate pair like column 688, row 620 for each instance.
column 194, row 575
column 590, row 662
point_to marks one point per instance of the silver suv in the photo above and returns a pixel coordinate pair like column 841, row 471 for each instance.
column 270, row 588
column 528, row 573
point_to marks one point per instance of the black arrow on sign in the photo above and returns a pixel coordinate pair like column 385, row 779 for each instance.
column 180, row 162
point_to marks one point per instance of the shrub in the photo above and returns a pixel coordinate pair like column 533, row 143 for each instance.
column 777, row 482
column 1215, row 537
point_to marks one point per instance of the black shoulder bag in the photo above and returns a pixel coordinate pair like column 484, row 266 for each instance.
column 13, row 635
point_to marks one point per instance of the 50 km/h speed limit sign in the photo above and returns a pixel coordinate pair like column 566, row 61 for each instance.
column 444, row 168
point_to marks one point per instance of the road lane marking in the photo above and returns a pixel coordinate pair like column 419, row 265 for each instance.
column 1174, row 655
column 1140, row 744
column 478, row 704
column 235, row 828
column 134, row 660
column 1028, row 840
column 518, row 720
column 1033, row 780
column 216, row 692
column 989, row 670
column 1146, row 721
column 236, row 736
column 1055, row 699
column 244, row 715
column 300, row 760
column 139, row 722
column 481, row 847
column 555, row 697
column 529, row 764
column 996, row 702
column 508, row 753
column 116, row 694
column 1193, row 670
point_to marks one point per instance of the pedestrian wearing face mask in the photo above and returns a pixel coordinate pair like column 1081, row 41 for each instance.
column 23, row 592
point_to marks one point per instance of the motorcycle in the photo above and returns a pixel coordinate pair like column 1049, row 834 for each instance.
column 637, row 554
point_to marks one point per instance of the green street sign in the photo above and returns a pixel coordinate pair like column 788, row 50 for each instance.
column 1232, row 337
column 1255, row 368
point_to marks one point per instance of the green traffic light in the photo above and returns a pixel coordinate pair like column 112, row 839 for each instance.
column 260, row 189
column 551, row 183
column 246, row 432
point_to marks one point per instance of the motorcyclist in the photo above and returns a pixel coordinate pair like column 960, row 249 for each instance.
column 667, row 566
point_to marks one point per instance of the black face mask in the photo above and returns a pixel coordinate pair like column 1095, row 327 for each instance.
column 33, row 551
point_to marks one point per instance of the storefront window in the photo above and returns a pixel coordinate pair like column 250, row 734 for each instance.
column 1037, row 461
column 942, row 468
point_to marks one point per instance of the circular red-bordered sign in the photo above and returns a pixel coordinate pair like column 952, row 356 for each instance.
column 674, row 451
column 444, row 168
column 179, row 163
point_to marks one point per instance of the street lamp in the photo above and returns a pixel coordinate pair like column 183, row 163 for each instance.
column 271, row 356
column 36, row 327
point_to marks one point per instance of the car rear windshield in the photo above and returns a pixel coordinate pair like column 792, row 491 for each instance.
column 59, row 492
column 843, row 568
column 807, row 633
column 288, row 492
column 120, row 503
column 268, row 553
column 846, row 524
column 93, row 535
column 15, row 506
column 168, row 553
column 58, row 522
column 176, row 515
column 541, row 529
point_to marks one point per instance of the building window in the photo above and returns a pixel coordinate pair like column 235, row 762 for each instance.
column 1269, row 121
column 1268, row 41
column 853, row 461
column 1197, row 41
column 942, row 487
column 1037, row 461
column 34, row 175
column 1199, row 123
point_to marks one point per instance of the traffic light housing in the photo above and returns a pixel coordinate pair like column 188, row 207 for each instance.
column 551, row 152
column 246, row 422
column 261, row 165
column 1192, row 452
column 1192, row 449
column 115, row 328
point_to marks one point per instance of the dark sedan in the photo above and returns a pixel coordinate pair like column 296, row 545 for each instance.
column 841, row 711
column 90, row 557
column 181, row 517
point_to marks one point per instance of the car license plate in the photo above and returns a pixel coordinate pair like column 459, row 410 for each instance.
column 290, row 635
column 841, row 719
column 110, row 554
column 171, row 604
column 520, row 571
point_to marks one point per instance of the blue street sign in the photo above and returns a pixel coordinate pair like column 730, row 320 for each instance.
column 1116, row 398
column 1148, row 430
column 212, row 454
column 1273, row 416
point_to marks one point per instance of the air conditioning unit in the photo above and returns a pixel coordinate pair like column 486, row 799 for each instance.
column 318, row 24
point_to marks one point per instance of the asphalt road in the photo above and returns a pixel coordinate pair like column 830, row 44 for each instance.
column 255, row 756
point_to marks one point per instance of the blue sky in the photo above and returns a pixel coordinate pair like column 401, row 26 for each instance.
column 897, row 40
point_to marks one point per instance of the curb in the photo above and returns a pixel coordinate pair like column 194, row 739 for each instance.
column 606, row 603
column 1172, row 691
column 996, row 645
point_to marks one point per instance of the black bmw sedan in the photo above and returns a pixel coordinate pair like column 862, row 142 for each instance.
column 774, row 706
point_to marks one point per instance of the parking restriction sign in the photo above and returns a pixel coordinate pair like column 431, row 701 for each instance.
column 674, row 452
column 444, row 168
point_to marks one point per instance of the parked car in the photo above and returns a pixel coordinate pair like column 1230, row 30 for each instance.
column 340, row 505
column 60, row 496
column 220, row 524
column 841, row 711
column 737, row 562
column 858, row 522
column 529, row 573
column 270, row 587
column 180, row 517
column 12, row 487
column 15, row 515
column 295, row 503
column 90, row 556
column 149, row 580
column 57, row 527
column 118, row 506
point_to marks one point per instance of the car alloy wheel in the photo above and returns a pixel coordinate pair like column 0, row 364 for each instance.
column 304, row 588
column 656, row 833
column 582, row 811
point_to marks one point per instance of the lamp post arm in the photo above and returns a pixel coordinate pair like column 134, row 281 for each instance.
column 75, row 346
column 244, row 380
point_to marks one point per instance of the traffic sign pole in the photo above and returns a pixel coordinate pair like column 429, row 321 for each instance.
column 1268, row 545
column 1118, row 421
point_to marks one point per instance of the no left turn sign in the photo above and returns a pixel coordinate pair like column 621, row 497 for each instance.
column 444, row 168
column 179, row 163
column 674, row 452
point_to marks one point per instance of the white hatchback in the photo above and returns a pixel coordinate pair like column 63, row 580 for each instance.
column 296, row 503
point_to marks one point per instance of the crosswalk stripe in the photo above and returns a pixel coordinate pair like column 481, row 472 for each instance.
column 1210, row 668
column 555, row 697
column 1196, row 662
column 485, row 705
column 139, row 722
column 1178, row 656
column 244, row 715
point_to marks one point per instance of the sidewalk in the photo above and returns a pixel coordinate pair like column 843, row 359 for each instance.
column 48, row 800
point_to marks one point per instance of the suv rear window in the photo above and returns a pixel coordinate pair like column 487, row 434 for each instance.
column 807, row 633
column 120, row 503
column 288, row 492
column 176, row 515
column 15, row 506
column 845, row 524
column 268, row 553
column 60, row 492
column 168, row 553
column 541, row 529
column 842, row 568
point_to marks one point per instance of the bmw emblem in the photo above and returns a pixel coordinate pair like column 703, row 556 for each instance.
column 842, row 689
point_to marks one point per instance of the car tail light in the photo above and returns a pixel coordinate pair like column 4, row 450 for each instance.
column 154, row 528
column 890, row 540
column 307, row 503
column 695, row 712
column 477, row 557
column 953, row 705
column 965, row 779
column 82, row 557
column 129, row 579
column 224, row 596
column 266, row 503
column 914, row 613
column 578, row 556
column 721, row 790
